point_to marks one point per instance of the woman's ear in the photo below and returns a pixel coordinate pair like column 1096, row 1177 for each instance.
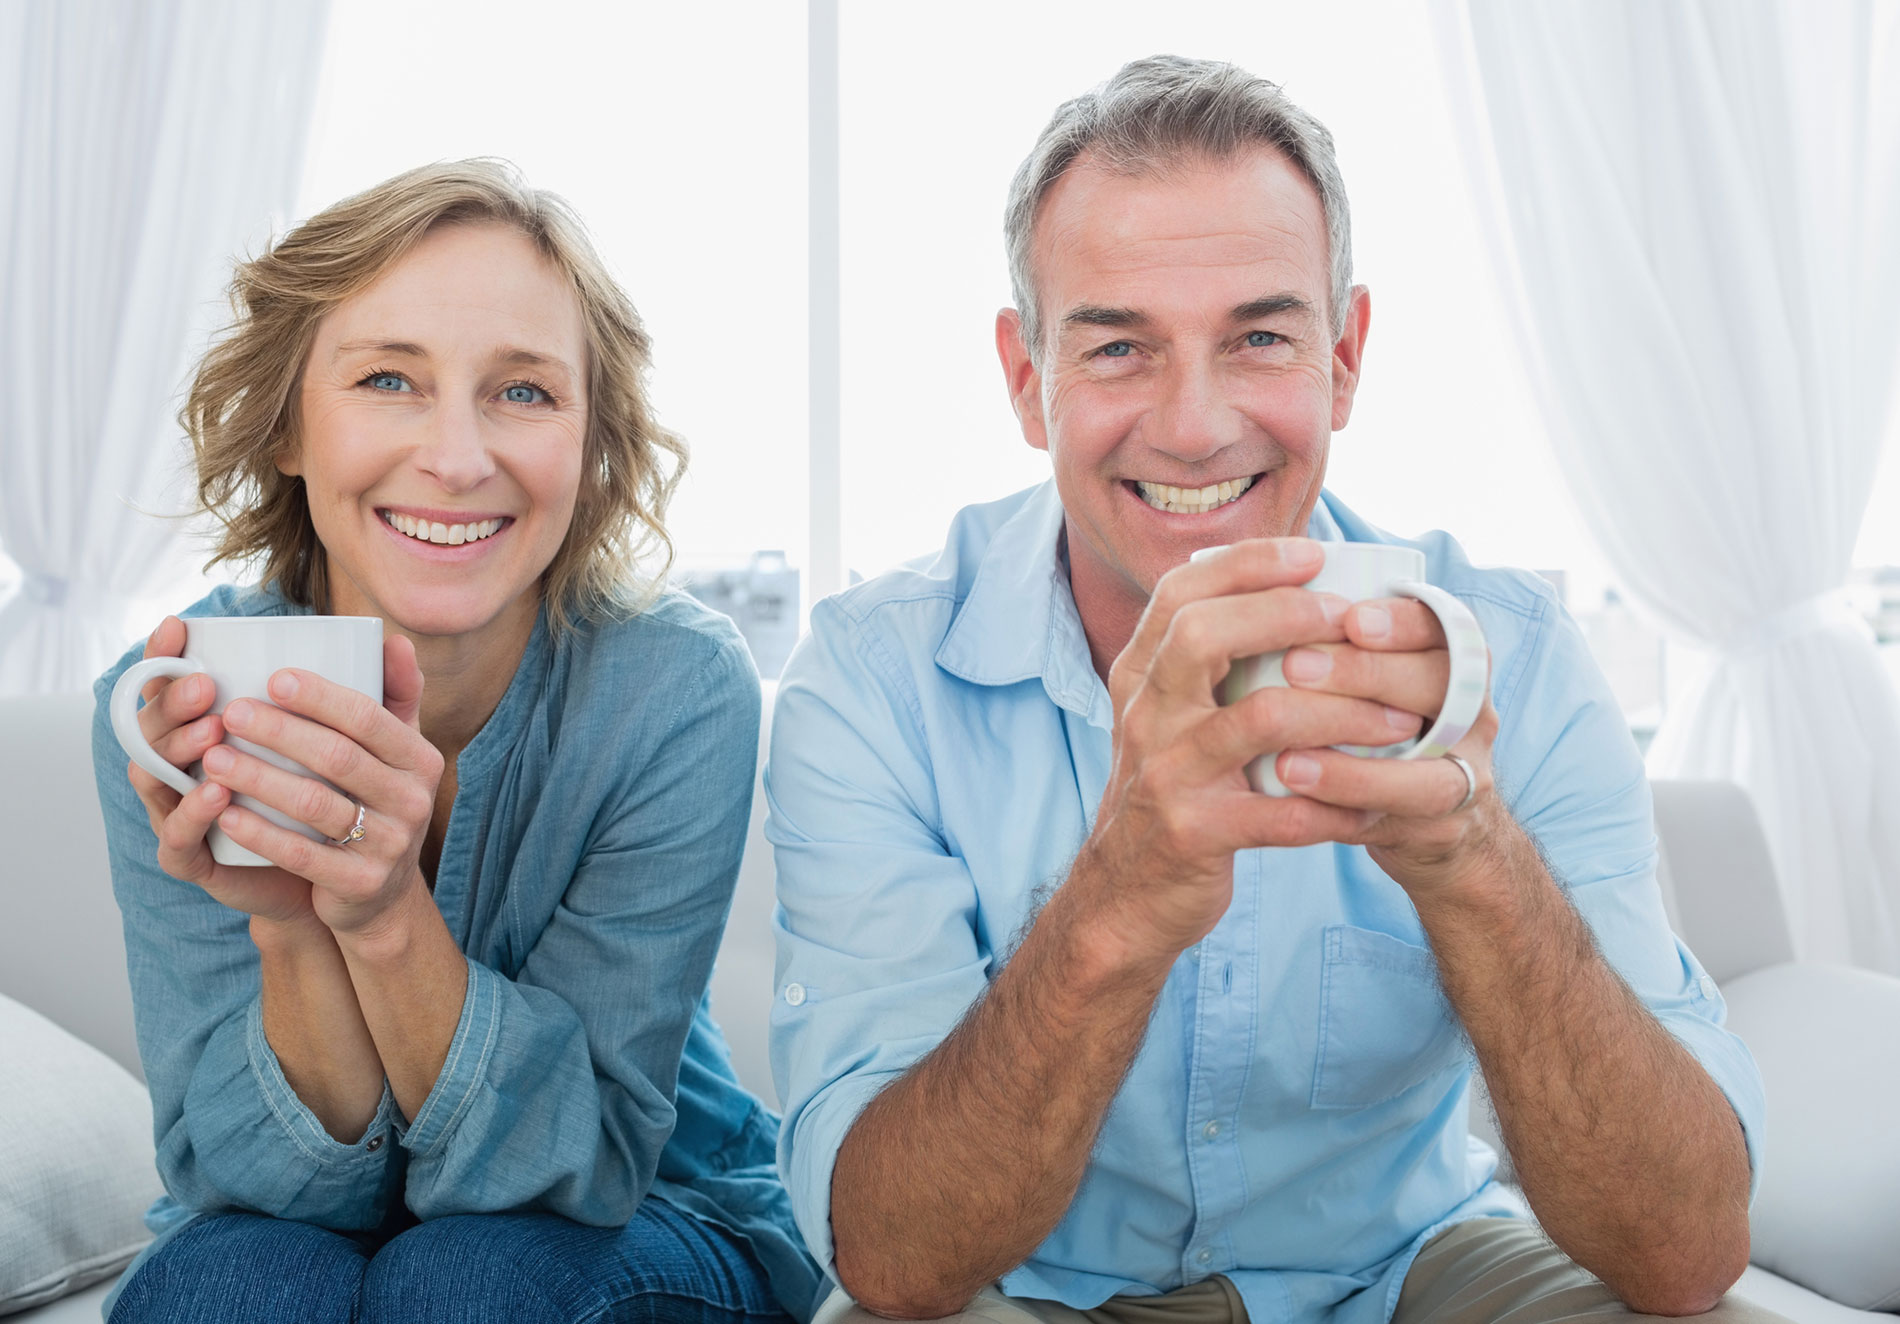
column 289, row 460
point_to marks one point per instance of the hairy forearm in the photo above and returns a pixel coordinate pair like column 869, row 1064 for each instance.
column 410, row 980
column 1628, row 1152
column 315, row 1026
column 960, row 1169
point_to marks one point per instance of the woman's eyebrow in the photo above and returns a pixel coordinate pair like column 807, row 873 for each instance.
column 380, row 346
column 510, row 354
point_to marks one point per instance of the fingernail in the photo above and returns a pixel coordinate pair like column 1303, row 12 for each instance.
column 214, row 793
column 194, row 689
column 1298, row 770
column 1308, row 664
column 1401, row 719
column 1334, row 606
column 228, row 819
column 219, row 759
column 237, row 713
column 1375, row 622
column 284, row 685
column 1303, row 552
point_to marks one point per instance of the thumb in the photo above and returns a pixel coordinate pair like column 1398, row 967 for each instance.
column 402, row 680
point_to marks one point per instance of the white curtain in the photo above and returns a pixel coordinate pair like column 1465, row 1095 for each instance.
column 1694, row 208
column 143, row 144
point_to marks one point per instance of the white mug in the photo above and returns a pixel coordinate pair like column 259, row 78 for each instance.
column 1358, row 572
column 241, row 654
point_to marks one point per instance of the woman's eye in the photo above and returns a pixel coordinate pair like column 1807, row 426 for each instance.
column 523, row 394
column 1120, row 349
column 387, row 381
column 1262, row 339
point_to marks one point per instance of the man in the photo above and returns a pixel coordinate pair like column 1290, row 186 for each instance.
column 1070, row 1020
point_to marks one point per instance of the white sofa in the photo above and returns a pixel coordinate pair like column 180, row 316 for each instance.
column 62, row 954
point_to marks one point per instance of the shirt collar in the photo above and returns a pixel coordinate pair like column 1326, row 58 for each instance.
column 1019, row 621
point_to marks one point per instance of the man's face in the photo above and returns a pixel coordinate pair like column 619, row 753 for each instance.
column 1188, row 385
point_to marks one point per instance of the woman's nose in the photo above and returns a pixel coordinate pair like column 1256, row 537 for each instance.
column 456, row 453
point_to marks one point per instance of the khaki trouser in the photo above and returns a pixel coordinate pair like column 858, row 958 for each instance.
column 1486, row 1271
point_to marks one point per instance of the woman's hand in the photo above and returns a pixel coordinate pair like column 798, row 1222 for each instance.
column 374, row 751
column 174, row 721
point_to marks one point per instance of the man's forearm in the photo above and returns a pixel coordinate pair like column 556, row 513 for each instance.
column 1628, row 1152
column 956, row 1172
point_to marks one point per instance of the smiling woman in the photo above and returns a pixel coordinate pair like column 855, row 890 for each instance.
column 454, row 1052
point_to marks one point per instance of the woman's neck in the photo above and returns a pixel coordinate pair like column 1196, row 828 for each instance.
column 464, row 675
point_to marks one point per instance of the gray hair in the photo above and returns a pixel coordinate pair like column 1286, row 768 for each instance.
column 1146, row 118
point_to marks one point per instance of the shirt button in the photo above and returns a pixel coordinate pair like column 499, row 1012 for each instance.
column 1211, row 1130
column 1707, row 985
column 795, row 995
column 1204, row 1256
column 375, row 1143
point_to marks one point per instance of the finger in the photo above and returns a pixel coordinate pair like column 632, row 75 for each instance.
column 1275, row 718
column 350, row 713
column 303, row 798
column 402, row 681
column 158, row 798
column 182, row 850
column 168, row 640
column 174, row 703
column 1414, row 682
column 293, row 852
column 1264, row 820
column 1394, row 625
column 184, row 745
column 1406, row 788
column 323, row 750
column 1246, row 567
column 1208, row 635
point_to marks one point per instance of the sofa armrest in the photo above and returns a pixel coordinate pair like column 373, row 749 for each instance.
column 1827, row 1040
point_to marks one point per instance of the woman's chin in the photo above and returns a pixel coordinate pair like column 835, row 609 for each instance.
column 433, row 617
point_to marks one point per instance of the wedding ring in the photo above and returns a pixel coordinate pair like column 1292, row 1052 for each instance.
column 1471, row 783
column 356, row 829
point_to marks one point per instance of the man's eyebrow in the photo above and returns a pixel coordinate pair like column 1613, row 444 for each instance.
column 1090, row 314
column 1271, row 305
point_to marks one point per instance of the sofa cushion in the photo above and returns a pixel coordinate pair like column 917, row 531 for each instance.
column 76, row 1163
column 1827, row 1214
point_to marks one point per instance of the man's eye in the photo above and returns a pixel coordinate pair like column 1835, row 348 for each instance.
column 387, row 381
column 523, row 394
column 1121, row 349
column 1262, row 339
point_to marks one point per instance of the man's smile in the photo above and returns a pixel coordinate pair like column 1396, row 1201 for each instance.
column 1193, row 500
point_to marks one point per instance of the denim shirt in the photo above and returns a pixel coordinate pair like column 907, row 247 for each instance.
column 586, row 873
column 1296, row 1117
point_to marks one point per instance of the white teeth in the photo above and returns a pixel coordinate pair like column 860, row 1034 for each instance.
column 443, row 535
column 1192, row 500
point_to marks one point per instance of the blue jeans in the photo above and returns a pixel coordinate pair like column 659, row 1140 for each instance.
column 469, row 1269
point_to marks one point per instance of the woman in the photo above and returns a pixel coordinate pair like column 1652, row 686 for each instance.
column 460, row 1066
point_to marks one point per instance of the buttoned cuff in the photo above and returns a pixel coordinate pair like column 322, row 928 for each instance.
column 302, row 1126
column 812, row 1146
column 465, row 1068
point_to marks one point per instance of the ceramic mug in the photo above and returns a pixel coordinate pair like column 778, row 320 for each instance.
column 241, row 654
column 1358, row 572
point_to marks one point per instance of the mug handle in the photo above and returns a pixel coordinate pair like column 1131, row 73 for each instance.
column 1470, row 672
column 125, row 718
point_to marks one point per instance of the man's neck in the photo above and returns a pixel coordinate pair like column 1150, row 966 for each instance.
column 1109, row 604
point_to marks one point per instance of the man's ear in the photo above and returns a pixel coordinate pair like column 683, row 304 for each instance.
column 1349, row 353
column 1021, row 378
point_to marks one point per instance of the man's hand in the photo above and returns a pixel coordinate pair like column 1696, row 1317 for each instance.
column 1414, row 828
column 1178, row 806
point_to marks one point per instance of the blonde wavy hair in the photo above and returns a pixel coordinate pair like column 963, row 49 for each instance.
column 243, row 409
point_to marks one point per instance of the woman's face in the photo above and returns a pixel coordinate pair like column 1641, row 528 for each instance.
column 443, row 412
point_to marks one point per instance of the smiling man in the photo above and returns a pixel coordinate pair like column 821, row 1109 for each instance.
column 1071, row 1022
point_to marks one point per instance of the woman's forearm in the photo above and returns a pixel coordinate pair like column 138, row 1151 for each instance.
column 410, row 980
column 316, row 1027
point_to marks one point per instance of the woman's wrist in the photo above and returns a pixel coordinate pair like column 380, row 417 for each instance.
column 392, row 935
column 285, row 936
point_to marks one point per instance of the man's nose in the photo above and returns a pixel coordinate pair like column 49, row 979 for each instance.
column 455, row 452
column 1194, row 419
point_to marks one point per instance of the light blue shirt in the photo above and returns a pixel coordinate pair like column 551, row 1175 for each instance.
column 1296, row 1117
column 586, row 873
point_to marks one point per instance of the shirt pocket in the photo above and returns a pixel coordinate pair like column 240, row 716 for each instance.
column 1384, row 1024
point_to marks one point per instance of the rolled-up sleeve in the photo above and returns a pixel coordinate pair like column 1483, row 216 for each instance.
column 878, row 953
column 558, row 1090
column 229, row 1130
column 1569, row 768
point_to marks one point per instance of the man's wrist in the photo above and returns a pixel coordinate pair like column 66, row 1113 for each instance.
column 1103, row 950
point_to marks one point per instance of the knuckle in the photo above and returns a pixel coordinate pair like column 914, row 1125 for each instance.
column 432, row 763
column 342, row 755
column 312, row 802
